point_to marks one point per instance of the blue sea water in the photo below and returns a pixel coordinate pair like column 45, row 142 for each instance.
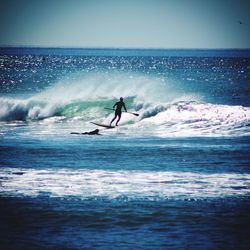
column 175, row 177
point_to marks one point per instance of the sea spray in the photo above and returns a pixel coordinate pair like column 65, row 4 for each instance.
column 90, row 90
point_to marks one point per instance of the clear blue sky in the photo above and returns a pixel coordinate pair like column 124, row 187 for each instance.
column 126, row 23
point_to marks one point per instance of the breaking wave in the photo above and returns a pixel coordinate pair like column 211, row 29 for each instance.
column 162, row 110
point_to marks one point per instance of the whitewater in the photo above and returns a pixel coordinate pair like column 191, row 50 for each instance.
column 174, row 177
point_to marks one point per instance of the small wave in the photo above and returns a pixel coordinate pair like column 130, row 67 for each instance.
column 129, row 184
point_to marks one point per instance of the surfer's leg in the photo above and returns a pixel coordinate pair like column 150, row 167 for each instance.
column 113, row 120
column 119, row 117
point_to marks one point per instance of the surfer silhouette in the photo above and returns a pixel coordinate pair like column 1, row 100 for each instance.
column 118, row 110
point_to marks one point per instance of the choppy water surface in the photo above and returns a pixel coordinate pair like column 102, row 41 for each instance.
column 174, row 177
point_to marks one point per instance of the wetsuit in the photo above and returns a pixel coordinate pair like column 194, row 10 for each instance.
column 118, row 111
column 119, row 106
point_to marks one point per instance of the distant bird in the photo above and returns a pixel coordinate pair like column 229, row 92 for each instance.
column 241, row 23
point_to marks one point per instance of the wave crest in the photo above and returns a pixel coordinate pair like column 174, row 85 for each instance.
column 23, row 110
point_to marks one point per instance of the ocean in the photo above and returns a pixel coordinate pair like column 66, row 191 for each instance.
column 177, row 176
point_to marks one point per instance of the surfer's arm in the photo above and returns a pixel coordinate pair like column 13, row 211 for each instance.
column 114, row 105
column 124, row 107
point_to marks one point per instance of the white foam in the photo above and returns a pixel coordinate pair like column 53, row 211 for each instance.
column 194, row 119
column 32, row 108
column 115, row 184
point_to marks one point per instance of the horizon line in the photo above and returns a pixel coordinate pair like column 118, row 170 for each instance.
column 114, row 48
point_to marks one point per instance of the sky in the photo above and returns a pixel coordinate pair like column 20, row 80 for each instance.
column 125, row 23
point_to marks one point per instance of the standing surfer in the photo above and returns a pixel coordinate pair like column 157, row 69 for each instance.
column 118, row 110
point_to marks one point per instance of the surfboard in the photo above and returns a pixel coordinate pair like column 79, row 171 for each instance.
column 102, row 125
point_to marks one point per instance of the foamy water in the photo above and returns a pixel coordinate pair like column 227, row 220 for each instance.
column 127, row 184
